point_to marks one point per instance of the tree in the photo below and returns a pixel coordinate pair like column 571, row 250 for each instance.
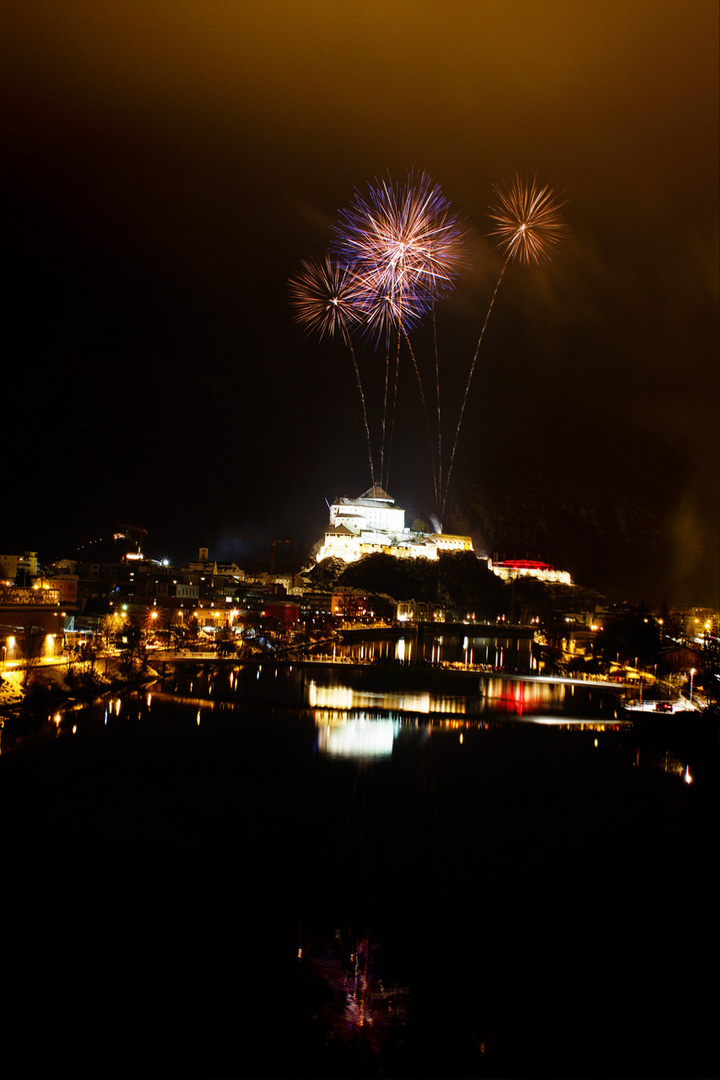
column 110, row 626
column 403, row 579
column 467, row 587
column 326, row 573
column 629, row 635
column 131, row 641
column 457, row 581
column 32, row 638
column 226, row 643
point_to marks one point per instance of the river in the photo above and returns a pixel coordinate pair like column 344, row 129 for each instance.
column 297, row 870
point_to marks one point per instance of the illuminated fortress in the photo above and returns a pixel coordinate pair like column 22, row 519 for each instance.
column 374, row 524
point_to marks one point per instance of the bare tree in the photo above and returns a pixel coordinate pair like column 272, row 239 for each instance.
column 32, row 639
column 110, row 626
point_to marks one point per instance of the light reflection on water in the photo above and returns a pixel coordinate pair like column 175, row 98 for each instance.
column 361, row 723
column 347, row 698
column 361, row 737
column 467, row 650
column 445, row 803
column 365, row 725
column 360, row 1007
column 360, row 713
column 452, row 836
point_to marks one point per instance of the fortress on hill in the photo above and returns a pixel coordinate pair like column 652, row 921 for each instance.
column 373, row 523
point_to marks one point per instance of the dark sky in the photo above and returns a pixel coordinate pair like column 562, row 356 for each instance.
column 167, row 165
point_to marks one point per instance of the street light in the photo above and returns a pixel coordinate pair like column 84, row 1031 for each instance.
column 692, row 676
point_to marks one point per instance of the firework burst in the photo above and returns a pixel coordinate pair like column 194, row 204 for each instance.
column 398, row 249
column 527, row 220
column 404, row 247
column 325, row 298
column 529, row 227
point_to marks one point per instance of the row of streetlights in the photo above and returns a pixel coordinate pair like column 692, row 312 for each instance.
column 692, row 676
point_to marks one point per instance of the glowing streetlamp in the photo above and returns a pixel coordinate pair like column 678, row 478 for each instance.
column 692, row 676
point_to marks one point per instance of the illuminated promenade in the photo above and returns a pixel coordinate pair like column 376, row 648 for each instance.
column 327, row 660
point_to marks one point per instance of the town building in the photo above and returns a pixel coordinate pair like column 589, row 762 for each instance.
column 12, row 565
column 31, row 623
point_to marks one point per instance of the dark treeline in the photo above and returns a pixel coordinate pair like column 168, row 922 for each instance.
column 461, row 584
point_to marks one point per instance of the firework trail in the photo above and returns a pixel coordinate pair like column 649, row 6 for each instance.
column 388, row 423
column 528, row 227
column 397, row 251
column 392, row 415
column 435, row 475
column 323, row 294
column 439, row 414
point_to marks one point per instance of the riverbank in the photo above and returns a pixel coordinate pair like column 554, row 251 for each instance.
column 60, row 687
column 26, row 702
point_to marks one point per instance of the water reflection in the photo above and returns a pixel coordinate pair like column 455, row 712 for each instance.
column 359, row 737
column 358, row 722
column 373, row 735
column 347, row 698
column 471, row 847
column 666, row 761
column 359, row 1009
column 469, row 651
column 520, row 697
column 359, row 712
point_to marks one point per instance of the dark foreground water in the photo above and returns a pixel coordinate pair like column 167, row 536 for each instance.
column 280, row 873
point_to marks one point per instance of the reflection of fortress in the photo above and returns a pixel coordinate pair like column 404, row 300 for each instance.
column 373, row 523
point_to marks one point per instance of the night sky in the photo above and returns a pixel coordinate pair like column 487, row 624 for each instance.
column 167, row 166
